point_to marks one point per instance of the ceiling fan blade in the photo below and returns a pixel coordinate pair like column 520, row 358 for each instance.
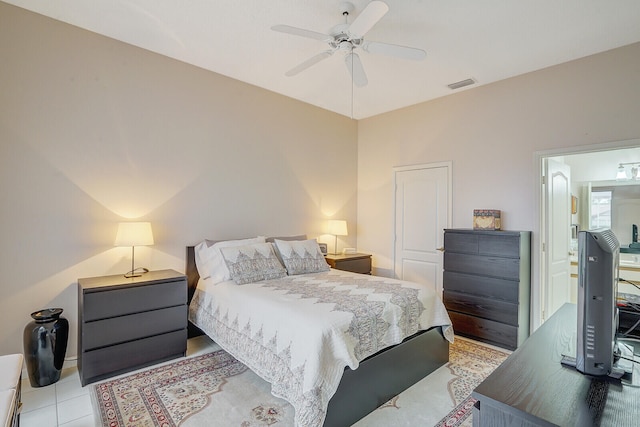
column 367, row 19
column 302, row 32
column 308, row 63
column 398, row 51
column 356, row 69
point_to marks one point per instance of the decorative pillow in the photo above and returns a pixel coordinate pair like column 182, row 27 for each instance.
column 300, row 257
column 210, row 262
column 252, row 263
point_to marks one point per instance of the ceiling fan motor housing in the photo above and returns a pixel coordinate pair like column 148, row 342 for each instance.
column 346, row 8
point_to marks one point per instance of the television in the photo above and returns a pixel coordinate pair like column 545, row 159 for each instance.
column 597, row 352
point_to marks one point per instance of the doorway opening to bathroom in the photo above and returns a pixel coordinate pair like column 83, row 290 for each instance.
column 572, row 195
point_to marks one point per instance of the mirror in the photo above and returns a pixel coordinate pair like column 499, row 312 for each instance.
column 620, row 207
column 601, row 200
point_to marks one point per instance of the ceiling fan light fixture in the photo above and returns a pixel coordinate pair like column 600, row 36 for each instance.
column 461, row 83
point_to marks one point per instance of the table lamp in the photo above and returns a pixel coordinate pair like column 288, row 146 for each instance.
column 134, row 234
column 337, row 227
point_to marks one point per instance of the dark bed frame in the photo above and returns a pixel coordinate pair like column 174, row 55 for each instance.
column 379, row 377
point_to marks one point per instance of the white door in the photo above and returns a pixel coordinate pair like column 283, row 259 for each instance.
column 557, row 242
column 422, row 212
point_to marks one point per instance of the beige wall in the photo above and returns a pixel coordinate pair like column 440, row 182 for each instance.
column 94, row 131
column 491, row 134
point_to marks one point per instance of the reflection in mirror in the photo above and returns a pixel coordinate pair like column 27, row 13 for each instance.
column 620, row 206
column 600, row 209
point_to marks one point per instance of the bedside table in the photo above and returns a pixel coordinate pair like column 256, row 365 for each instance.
column 356, row 263
column 128, row 323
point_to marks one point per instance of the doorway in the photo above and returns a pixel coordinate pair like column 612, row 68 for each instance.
column 588, row 165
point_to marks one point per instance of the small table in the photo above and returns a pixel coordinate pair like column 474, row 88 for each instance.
column 356, row 263
column 532, row 387
column 128, row 323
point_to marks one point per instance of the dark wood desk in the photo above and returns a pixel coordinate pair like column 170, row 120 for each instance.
column 532, row 388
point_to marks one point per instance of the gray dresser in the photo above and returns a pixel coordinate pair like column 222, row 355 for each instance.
column 486, row 283
column 129, row 323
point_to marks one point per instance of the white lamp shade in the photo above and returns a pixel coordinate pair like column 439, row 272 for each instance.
column 337, row 227
column 134, row 234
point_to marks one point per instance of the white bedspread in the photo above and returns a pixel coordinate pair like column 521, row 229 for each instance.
column 299, row 332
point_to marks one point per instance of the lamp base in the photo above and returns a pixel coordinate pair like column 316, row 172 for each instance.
column 136, row 273
column 130, row 275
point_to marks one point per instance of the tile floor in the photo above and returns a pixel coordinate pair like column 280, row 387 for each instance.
column 67, row 404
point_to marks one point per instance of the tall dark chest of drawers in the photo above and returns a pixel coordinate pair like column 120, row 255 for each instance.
column 487, row 284
column 128, row 323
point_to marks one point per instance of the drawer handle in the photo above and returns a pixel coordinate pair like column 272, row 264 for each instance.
column 441, row 249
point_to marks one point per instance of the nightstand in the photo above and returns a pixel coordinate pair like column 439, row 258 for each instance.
column 356, row 263
column 128, row 323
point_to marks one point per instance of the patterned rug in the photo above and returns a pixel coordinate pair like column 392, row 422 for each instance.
column 215, row 389
column 427, row 404
column 189, row 393
column 470, row 363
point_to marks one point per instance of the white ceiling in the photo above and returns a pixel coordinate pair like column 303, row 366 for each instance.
column 486, row 40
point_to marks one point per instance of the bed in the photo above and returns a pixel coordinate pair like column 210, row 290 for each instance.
column 354, row 364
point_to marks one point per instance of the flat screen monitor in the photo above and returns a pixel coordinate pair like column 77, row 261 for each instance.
column 598, row 269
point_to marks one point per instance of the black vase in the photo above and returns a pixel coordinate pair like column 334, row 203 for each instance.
column 45, row 345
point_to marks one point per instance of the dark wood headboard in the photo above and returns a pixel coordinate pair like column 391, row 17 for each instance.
column 192, row 282
column 191, row 271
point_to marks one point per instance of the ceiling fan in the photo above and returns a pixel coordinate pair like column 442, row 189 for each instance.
column 347, row 38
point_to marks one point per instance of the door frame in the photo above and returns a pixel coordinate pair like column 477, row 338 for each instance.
column 538, row 273
column 449, row 166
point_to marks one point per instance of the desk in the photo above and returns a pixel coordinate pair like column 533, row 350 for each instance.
column 532, row 388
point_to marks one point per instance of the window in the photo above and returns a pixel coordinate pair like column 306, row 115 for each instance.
column 601, row 209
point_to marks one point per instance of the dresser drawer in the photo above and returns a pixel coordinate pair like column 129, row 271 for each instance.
column 496, row 243
column 486, row 330
column 362, row 266
column 356, row 263
column 116, row 330
column 490, row 287
column 487, row 308
column 109, row 361
column 102, row 304
column 505, row 268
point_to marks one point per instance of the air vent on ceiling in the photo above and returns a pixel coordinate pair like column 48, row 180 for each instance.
column 462, row 83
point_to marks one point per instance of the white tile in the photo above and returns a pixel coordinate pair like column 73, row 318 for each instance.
column 69, row 389
column 88, row 421
column 26, row 385
column 36, row 398
column 69, row 374
column 43, row 417
column 75, row 408
column 200, row 345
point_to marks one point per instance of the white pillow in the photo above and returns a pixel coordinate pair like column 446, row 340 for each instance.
column 210, row 262
column 253, row 263
column 301, row 256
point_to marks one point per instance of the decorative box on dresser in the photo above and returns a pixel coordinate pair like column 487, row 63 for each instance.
column 487, row 276
column 356, row 263
column 129, row 323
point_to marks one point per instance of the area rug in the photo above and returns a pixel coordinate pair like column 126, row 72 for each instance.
column 470, row 363
column 215, row 389
column 443, row 398
column 210, row 390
